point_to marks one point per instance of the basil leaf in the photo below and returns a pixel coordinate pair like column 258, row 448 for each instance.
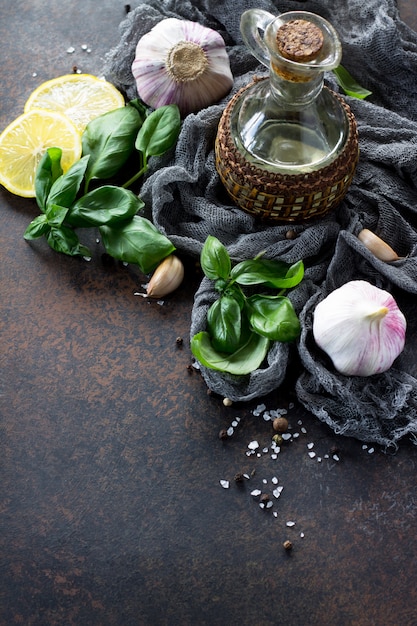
column 104, row 205
column 65, row 240
column 224, row 322
column 37, row 228
column 244, row 361
column 136, row 241
column 64, row 190
column 109, row 139
column 214, row 259
column 48, row 170
column 349, row 85
column 273, row 317
column 159, row 131
column 56, row 214
column 272, row 273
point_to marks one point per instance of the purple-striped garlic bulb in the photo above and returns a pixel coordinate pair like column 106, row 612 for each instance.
column 360, row 327
column 184, row 63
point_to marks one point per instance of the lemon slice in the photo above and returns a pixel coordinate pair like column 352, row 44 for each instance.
column 81, row 97
column 26, row 139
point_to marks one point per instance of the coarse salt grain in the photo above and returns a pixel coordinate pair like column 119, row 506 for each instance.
column 256, row 492
column 277, row 492
column 225, row 484
column 311, row 454
column 253, row 445
column 310, row 446
column 290, row 524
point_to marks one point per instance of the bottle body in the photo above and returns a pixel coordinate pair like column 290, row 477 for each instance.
column 288, row 140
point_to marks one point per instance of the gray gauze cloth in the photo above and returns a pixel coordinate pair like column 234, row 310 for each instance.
column 186, row 201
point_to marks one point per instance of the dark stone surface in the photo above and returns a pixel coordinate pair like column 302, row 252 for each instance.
column 111, row 509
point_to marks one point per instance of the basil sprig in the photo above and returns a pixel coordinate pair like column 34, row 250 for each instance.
column 240, row 328
column 117, row 141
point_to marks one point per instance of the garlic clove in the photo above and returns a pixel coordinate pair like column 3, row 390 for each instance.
column 377, row 246
column 361, row 329
column 166, row 278
column 184, row 63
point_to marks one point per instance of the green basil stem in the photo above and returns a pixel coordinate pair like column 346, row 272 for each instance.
column 141, row 172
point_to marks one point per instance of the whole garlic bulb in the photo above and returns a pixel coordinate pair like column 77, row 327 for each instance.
column 360, row 327
column 184, row 63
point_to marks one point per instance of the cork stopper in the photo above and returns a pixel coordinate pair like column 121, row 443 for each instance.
column 299, row 40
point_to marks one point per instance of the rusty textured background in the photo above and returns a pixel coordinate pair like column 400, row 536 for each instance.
column 111, row 511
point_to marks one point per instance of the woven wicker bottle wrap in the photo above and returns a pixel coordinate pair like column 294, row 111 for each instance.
column 276, row 183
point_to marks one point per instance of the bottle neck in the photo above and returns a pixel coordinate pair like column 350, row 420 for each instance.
column 295, row 91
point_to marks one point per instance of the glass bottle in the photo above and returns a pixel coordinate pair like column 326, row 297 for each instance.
column 289, row 126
